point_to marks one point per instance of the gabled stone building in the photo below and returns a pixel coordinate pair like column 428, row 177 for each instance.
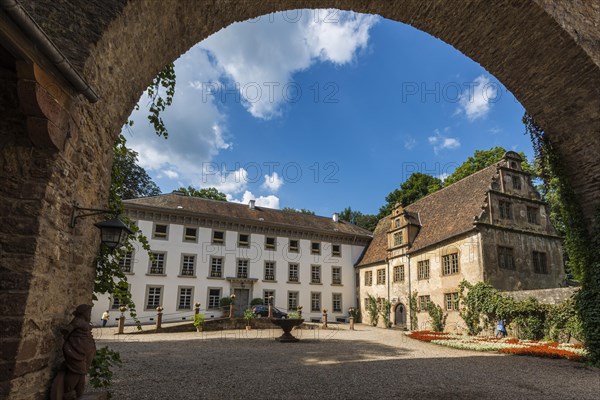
column 490, row 226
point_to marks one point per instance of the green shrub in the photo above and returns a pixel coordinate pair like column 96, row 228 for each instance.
column 373, row 310
column 257, row 302
column 100, row 371
column 384, row 311
column 293, row 315
column 198, row 320
column 438, row 318
column 225, row 301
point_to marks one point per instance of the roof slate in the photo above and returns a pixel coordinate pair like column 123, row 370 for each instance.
column 443, row 214
column 258, row 215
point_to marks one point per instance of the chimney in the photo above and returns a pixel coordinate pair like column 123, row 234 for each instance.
column 335, row 217
column 251, row 204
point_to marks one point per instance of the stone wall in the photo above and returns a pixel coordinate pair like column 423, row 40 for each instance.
column 546, row 296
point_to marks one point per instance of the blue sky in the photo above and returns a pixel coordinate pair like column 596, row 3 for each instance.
column 323, row 111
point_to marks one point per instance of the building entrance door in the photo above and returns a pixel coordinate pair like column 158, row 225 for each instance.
column 242, row 301
column 400, row 315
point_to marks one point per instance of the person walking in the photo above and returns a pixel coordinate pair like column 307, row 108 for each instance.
column 500, row 329
column 104, row 318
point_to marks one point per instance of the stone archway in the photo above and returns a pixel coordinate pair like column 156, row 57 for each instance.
column 400, row 315
column 55, row 147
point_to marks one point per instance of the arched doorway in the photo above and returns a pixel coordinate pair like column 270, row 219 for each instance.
column 56, row 145
column 400, row 315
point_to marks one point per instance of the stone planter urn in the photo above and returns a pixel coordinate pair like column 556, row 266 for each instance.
column 287, row 325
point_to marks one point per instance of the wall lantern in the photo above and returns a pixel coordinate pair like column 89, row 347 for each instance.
column 113, row 233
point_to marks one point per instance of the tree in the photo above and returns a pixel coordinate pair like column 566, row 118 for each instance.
column 417, row 186
column 365, row 221
column 482, row 159
column 129, row 180
column 301, row 211
column 210, row 193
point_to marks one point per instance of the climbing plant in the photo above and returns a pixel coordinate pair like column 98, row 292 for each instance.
column 438, row 318
column 581, row 245
column 385, row 309
column 373, row 310
column 414, row 309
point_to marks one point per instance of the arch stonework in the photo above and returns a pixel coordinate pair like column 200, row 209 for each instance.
column 55, row 147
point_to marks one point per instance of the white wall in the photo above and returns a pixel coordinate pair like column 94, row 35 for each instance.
column 174, row 246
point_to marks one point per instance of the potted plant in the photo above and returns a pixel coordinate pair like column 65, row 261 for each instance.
column 248, row 316
column 199, row 322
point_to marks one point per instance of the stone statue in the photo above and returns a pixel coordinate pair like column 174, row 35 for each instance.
column 79, row 350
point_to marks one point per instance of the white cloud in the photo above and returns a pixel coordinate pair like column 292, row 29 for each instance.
column 228, row 182
column 272, row 182
column 171, row 174
column 475, row 102
column 260, row 58
column 440, row 142
column 410, row 143
column 270, row 201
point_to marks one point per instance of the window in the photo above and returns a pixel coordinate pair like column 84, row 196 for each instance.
column 214, row 296
column 516, row 182
column 188, row 264
column 126, row 261
column 153, row 297
column 216, row 267
column 336, row 250
column 397, row 223
column 336, row 275
column 505, row 258
column 242, row 268
column 190, row 234
column 185, row 298
column 505, row 209
column 293, row 272
column 157, row 263
column 269, row 270
column 315, row 302
column 450, row 264
column 532, row 215
column 397, row 238
column 121, row 298
column 160, row 231
column 451, row 301
column 292, row 300
column 399, row 273
column 337, row 302
column 368, row 278
column 270, row 243
column 424, row 302
column 294, row 246
column 539, row 263
column 423, row 270
column 267, row 294
column 315, row 274
column 381, row 276
column 243, row 240
column 218, row 237
column 315, row 248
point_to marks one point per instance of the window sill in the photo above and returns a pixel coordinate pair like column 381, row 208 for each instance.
column 316, row 283
column 269, row 281
column 293, row 282
column 148, row 274
column 186, row 276
column 190, row 241
column 337, row 284
column 220, row 278
column 159, row 238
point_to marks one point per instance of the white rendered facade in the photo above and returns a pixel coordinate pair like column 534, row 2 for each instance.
column 195, row 263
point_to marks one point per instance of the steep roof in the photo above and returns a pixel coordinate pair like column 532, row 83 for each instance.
column 441, row 215
column 258, row 215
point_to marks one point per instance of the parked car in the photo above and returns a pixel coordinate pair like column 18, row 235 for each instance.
column 263, row 311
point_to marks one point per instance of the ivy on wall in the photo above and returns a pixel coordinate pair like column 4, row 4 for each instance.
column 581, row 245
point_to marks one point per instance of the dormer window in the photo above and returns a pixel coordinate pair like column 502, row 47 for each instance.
column 397, row 223
column 398, row 238
column 516, row 181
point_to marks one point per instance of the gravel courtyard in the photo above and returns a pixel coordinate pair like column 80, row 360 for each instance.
column 367, row 363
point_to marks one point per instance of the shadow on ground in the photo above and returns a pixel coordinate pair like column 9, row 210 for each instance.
column 251, row 365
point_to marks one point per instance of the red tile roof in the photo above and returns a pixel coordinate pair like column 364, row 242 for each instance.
column 257, row 216
column 443, row 214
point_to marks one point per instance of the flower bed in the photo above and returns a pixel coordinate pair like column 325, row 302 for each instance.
column 506, row 346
